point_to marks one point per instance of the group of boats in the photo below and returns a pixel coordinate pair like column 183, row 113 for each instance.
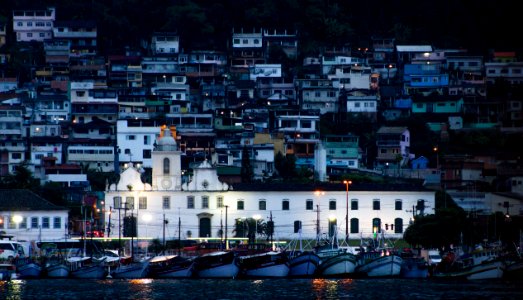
column 253, row 261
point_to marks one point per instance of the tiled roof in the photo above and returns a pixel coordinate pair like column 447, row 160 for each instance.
column 24, row 200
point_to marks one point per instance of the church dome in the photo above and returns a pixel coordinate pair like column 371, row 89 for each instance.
column 166, row 143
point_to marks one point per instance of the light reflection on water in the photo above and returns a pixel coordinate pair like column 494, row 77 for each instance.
column 257, row 289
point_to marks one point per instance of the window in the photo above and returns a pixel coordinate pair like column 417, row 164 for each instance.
column 142, row 203
column 398, row 225
column 127, row 151
column 240, row 205
column 376, row 225
column 297, row 226
column 29, row 34
column 285, row 205
column 130, row 137
column 146, row 140
column 236, row 41
column 219, row 201
column 129, row 202
column 332, row 227
column 16, row 155
column 376, row 204
column 45, row 222
column 34, row 222
column 332, row 205
column 23, row 224
column 398, row 205
column 309, row 205
column 354, row 204
column 190, row 202
column 166, row 166
column 57, row 222
column 262, row 205
column 166, row 202
column 354, row 225
column 117, row 202
column 205, row 201
column 146, row 153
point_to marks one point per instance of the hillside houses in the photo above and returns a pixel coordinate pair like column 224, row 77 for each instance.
column 103, row 111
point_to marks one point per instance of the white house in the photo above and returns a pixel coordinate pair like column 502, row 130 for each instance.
column 202, row 206
column 29, row 217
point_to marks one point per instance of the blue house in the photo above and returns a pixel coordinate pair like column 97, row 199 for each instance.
column 419, row 163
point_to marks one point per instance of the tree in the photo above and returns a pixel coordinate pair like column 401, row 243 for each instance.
column 286, row 165
column 247, row 172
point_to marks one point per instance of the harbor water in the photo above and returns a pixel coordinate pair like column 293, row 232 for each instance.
column 259, row 289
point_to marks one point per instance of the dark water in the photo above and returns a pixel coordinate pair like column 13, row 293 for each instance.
column 258, row 289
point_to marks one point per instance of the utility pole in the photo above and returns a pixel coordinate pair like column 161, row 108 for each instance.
column 317, row 224
column 226, row 243
column 164, row 223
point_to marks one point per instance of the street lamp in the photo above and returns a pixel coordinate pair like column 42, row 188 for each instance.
column 256, row 218
column 347, row 183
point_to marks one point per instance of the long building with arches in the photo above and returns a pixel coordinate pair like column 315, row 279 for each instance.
column 204, row 207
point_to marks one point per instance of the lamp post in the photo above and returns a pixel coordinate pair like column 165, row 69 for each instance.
column 347, row 183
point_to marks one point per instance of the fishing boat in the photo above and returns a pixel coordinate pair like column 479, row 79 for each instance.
column 171, row 266
column 27, row 267
column 335, row 261
column 219, row 264
column 7, row 271
column 303, row 264
column 379, row 263
column 414, row 267
column 84, row 267
column 268, row 264
column 470, row 267
column 56, row 268
column 129, row 268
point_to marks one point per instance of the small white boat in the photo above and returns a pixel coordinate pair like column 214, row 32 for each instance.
column 268, row 264
column 129, row 269
column 86, row 268
column 304, row 264
column 485, row 270
column 171, row 266
column 219, row 264
column 335, row 262
column 379, row 264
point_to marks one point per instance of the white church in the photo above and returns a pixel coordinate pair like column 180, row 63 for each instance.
column 203, row 207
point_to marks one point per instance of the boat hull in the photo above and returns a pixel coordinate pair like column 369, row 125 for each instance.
column 343, row 264
column 230, row 270
column 133, row 271
column 382, row 266
column 89, row 272
column 57, row 271
column 304, row 265
column 30, row 270
column 277, row 270
column 414, row 268
column 486, row 270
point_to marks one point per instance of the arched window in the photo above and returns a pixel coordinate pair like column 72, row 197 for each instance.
column 376, row 225
column 354, row 225
column 166, row 166
column 398, row 225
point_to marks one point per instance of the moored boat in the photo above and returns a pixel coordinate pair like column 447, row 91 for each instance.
column 86, row 268
column 171, row 266
column 303, row 264
column 379, row 263
column 28, row 268
column 130, row 269
column 336, row 262
column 56, row 269
column 268, row 264
column 414, row 267
column 219, row 264
column 7, row 271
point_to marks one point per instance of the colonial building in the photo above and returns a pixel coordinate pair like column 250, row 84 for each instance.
column 29, row 217
column 200, row 205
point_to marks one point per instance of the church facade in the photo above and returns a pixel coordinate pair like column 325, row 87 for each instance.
column 204, row 207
